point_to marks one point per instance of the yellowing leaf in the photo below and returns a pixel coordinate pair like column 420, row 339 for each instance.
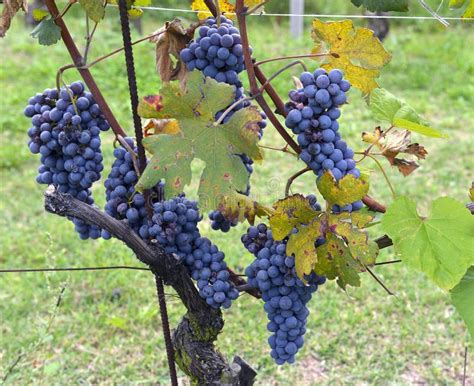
column 94, row 8
column 335, row 261
column 39, row 14
column 135, row 13
column 440, row 246
column 303, row 246
column 356, row 51
column 194, row 108
column 361, row 218
column 345, row 191
column 239, row 207
column 289, row 213
column 161, row 126
column 225, row 8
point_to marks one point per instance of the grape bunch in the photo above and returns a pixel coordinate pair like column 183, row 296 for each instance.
column 217, row 52
column 123, row 202
column 312, row 115
column 284, row 294
column 174, row 227
column 65, row 131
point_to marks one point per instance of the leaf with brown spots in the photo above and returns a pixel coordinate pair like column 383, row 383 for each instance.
column 194, row 108
column 150, row 106
column 239, row 207
column 289, row 213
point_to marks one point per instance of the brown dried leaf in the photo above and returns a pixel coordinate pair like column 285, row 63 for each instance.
column 10, row 9
column 172, row 39
column 393, row 143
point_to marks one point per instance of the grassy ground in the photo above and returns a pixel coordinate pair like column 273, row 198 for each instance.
column 107, row 330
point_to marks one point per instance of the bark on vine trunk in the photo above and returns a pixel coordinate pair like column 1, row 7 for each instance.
column 194, row 338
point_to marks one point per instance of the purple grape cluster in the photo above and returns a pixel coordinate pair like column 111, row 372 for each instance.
column 312, row 115
column 65, row 131
column 174, row 227
column 217, row 52
column 284, row 294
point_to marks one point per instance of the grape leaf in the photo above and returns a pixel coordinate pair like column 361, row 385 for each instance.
column 386, row 107
column 39, row 14
column 468, row 12
column 345, row 191
column 439, row 246
column 289, row 213
column 172, row 39
column 10, row 9
column 394, row 142
column 361, row 218
column 160, row 126
column 356, row 51
column 203, row 12
column 302, row 246
column 335, row 261
column 194, row 108
column 240, row 207
column 462, row 296
column 382, row 5
column 350, row 252
column 94, row 8
column 47, row 32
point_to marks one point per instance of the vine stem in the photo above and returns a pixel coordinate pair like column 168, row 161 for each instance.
column 291, row 57
column 394, row 194
column 84, row 72
column 254, row 89
column 379, row 281
column 280, row 106
column 282, row 70
column 294, row 177
column 132, row 84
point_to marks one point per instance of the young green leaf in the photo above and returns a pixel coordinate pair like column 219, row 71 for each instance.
column 382, row 5
column 386, row 107
column 356, row 51
column 439, row 246
column 417, row 128
column 47, row 32
column 94, row 9
column 289, row 213
column 39, row 14
column 463, row 299
column 345, row 191
column 194, row 107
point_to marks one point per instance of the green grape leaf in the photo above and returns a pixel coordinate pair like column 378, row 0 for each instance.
column 150, row 106
column 194, row 107
column 386, row 107
column 440, row 246
column 94, row 8
column 240, row 207
column 382, row 5
column 289, row 213
column 468, row 12
column 336, row 261
column 47, row 32
column 302, row 245
column 345, row 191
column 463, row 299
column 417, row 128
column 361, row 218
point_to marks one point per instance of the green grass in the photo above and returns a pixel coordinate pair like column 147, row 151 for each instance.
column 107, row 328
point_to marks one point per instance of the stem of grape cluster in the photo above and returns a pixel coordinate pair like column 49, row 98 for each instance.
column 282, row 70
column 294, row 177
column 292, row 57
column 394, row 194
